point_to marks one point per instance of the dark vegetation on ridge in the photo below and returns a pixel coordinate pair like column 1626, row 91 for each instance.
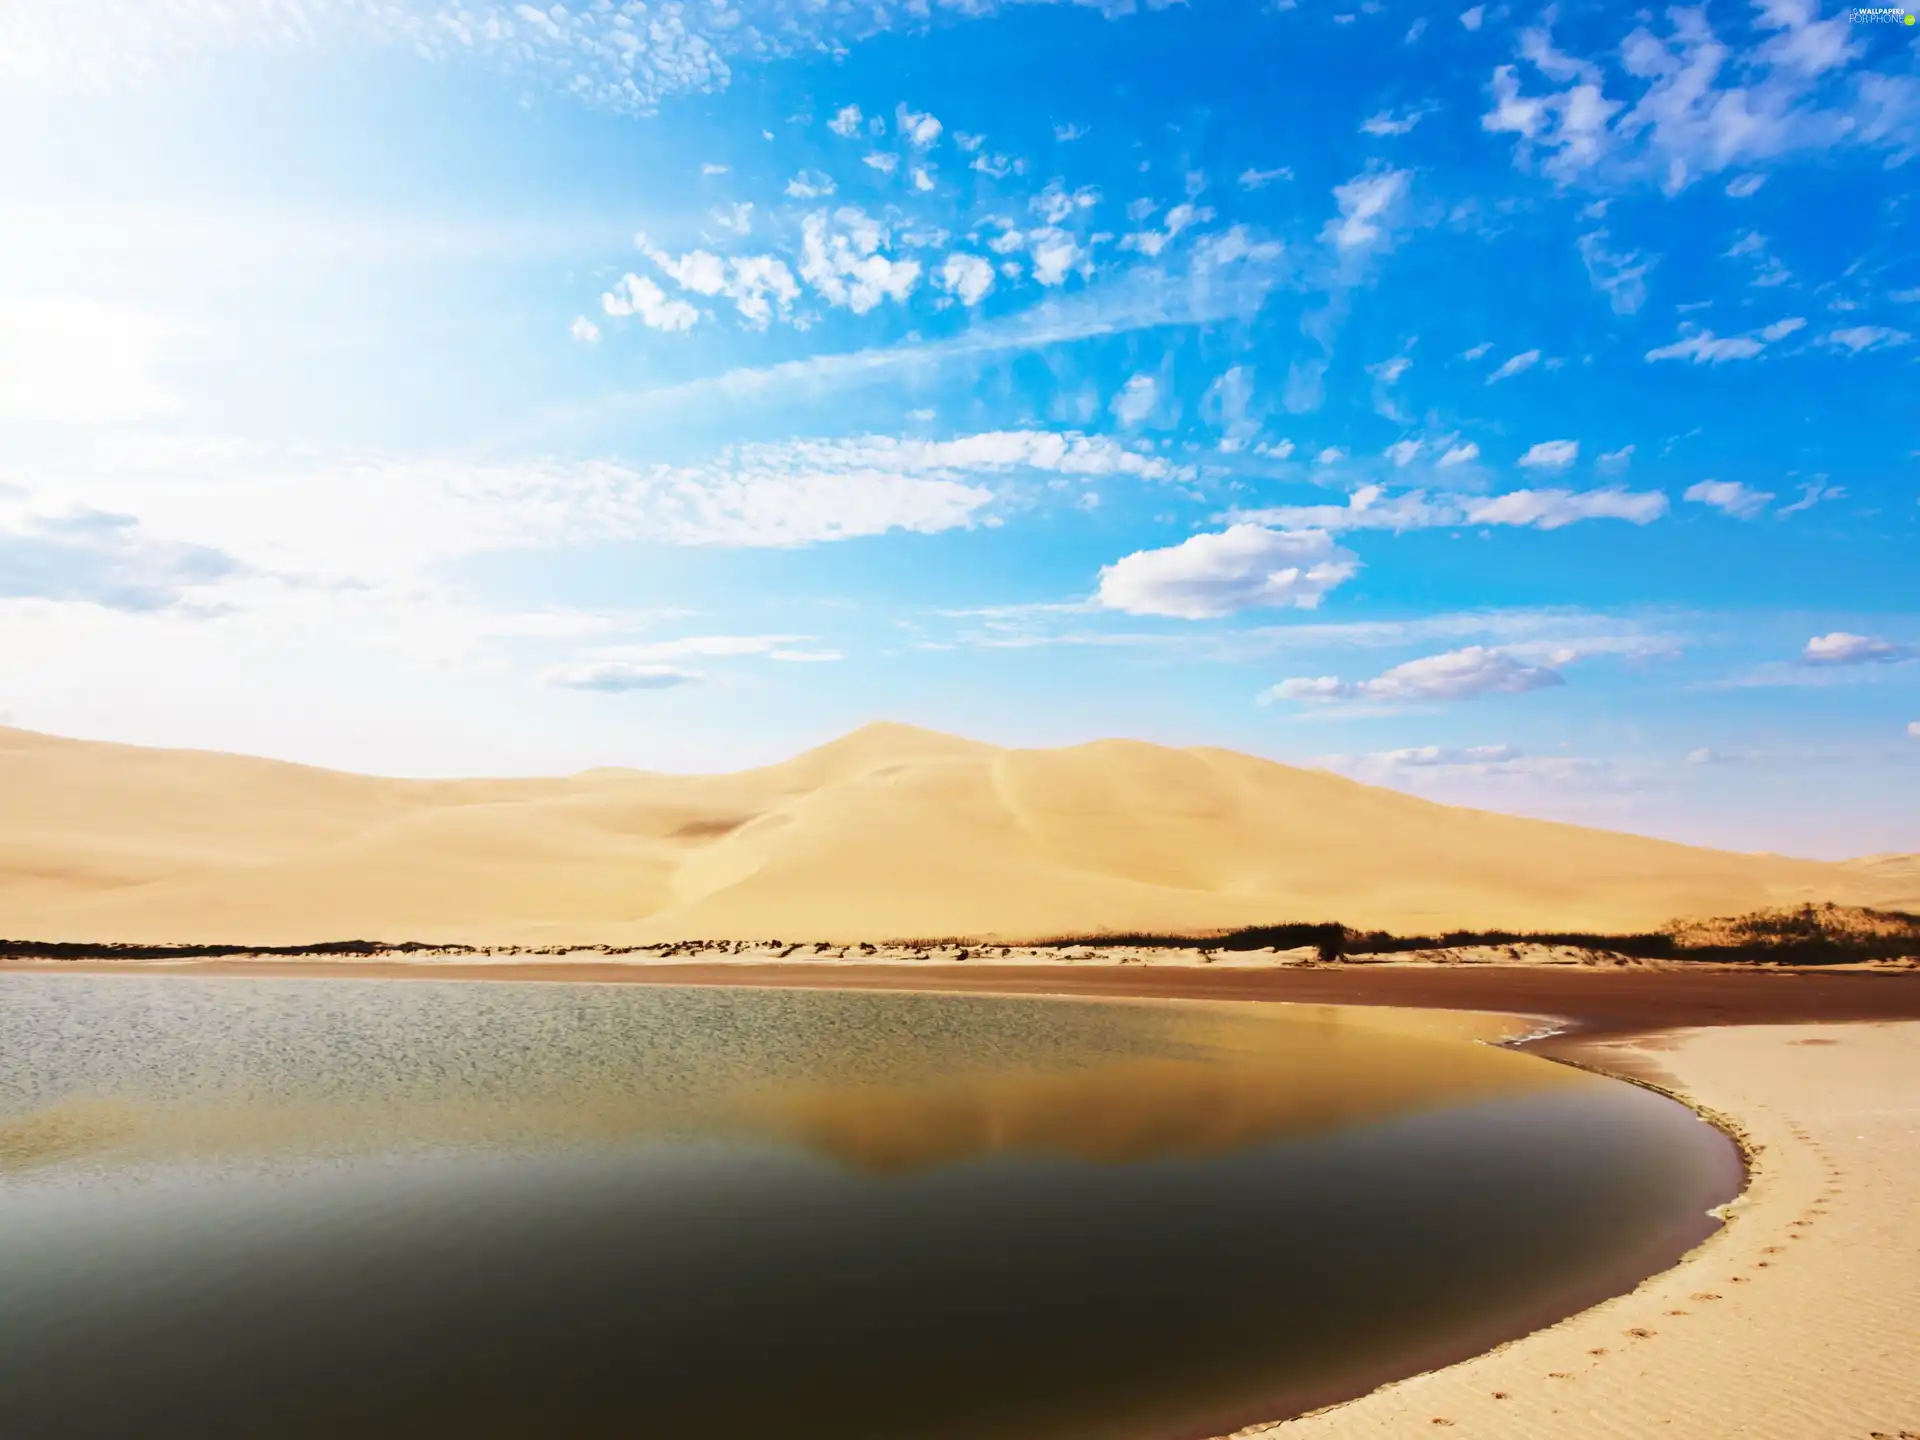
column 1809, row 935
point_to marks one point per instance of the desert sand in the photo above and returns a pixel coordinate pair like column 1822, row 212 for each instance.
column 1800, row 1319
column 888, row 832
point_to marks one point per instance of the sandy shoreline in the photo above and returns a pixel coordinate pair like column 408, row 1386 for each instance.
column 1801, row 1318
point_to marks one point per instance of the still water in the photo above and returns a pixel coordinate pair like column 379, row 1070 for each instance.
column 259, row 1207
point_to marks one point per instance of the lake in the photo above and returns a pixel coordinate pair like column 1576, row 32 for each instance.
column 316, row 1207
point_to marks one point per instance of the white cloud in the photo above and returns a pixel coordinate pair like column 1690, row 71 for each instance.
column 1554, row 509
column 1842, row 648
column 1742, row 186
column 1811, row 494
column 737, row 219
column 1464, row 674
column 1692, row 104
column 1241, row 568
column 79, row 553
column 1621, row 277
column 1055, row 254
column 967, row 278
column 1514, row 365
column 1477, row 351
column 1135, row 400
column 714, row 168
column 81, row 361
column 1388, row 372
column 1056, row 203
column 614, row 677
column 1067, row 134
column 636, row 295
column 1551, row 455
column 1613, row 461
column 584, row 330
column 920, row 130
column 1365, row 203
column 1253, row 179
column 1471, row 18
column 1458, row 455
column 1404, row 452
column 1332, row 455
column 810, row 185
column 1703, row 347
column 1386, row 123
column 757, row 284
column 1856, row 338
column 847, row 122
column 922, row 178
column 1731, row 496
column 841, row 258
column 885, row 161
column 1151, row 242
column 1371, row 508
column 1228, row 405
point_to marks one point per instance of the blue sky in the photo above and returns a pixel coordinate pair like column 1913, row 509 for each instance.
column 1511, row 405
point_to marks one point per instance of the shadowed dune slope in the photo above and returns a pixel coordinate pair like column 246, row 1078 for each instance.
column 887, row 832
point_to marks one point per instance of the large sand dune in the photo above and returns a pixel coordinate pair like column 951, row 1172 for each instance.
column 888, row 832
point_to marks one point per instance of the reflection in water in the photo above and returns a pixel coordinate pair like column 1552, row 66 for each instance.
column 241, row 1207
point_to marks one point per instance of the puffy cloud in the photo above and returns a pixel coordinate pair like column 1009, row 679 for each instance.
column 1692, row 104
column 1732, row 496
column 1054, row 254
column 1856, row 338
column 1135, row 400
column 1513, row 365
column 636, row 295
column 1365, row 202
column 1458, row 455
column 1056, row 203
column 885, row 161
column 847, row 122
column 1551, row 455
column 1471, row 18
column 1842, row 648
column 584, row 330
column 841, row 258
column 967, row 278
column 755, row 283
column 922, row 178
column 1240, row 568
column 810, row 185
column 1455, row 675
column 615, row 677
column 919, row 130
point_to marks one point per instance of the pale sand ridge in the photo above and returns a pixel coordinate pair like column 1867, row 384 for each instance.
column 887, row 832
column 1799, row 1321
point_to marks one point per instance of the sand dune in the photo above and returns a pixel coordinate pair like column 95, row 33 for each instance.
column 889, row 831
